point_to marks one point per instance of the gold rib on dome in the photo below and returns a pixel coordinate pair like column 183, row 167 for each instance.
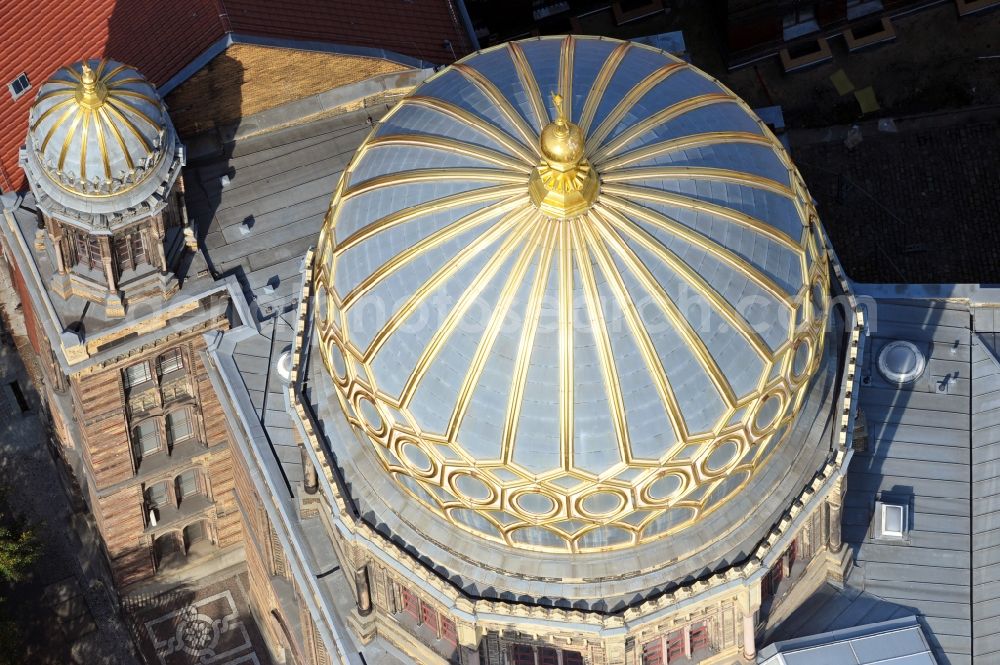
column 564, row 392
column 97, row 128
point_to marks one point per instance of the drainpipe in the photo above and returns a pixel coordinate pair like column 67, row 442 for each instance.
column 6, row 181
column 467, row 22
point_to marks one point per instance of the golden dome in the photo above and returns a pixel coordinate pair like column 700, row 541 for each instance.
column 574, row 375
column 98, row 128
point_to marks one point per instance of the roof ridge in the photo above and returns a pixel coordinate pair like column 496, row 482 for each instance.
column 988, row 348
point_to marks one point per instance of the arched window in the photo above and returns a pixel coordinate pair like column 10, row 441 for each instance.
column 167, row 550
column 156, row 495
column 179, row 426
column 194, row 533
column 146, row 438
column 88, row 250
column 129, row 250
column 188, row 484
column 171, row 361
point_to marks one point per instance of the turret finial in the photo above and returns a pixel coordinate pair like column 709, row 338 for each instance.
column 557, row 101
column 91, row 92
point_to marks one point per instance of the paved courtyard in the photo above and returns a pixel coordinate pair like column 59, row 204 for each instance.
column 206, row 624
column 65, row 610
column 920, row 206
column 938, row 61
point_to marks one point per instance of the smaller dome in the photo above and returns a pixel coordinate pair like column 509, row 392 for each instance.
column 97, row 127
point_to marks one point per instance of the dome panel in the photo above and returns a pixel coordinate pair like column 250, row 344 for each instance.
column 637, row 64
column 545, row 59
column 429, row 122
column 497, row 65
column 587, row 330
column 686, row 129
column 730, row 241
column 452, row 87
column 589, row 59
column 678, row 86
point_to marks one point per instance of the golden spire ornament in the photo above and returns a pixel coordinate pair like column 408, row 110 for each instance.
column 91, row 92
column 563, row 185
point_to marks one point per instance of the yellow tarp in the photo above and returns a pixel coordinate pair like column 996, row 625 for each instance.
column 866, row 98
column 841, row 82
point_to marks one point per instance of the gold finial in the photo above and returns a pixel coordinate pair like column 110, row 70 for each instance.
column 89, row 80
column 557, row 101
column 91, row 92
column 563, row 185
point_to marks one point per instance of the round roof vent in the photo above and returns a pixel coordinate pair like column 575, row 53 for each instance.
column 901, row 362
column 285, row 366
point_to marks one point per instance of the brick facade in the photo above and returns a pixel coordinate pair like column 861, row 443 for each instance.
column 248, row 79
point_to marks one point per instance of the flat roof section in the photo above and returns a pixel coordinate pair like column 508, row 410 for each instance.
column 899, row 642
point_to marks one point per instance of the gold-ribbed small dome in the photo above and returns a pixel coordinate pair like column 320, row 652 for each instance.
column 97, row 127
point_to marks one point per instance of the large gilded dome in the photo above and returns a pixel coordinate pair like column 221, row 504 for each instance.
column 98, row 128
column 580, row 342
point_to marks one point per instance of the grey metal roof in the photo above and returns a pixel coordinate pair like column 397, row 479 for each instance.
column 255, row 356
column 918, row 454
column 280, row 185
column 895, row 642
column 830, row 608
column 934, row 446
column 246, row 358
column 986, row 485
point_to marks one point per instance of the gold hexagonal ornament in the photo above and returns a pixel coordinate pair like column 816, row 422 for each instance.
column 503, row 293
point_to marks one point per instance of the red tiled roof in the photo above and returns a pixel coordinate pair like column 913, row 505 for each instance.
column 160, row 38
column 415, row 27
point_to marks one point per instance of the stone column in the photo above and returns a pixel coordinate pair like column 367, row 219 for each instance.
column 534, row 650
column 363, row 591
column 749, row 640
column 806, row 537
column 310, row 479
column 835, row 502
column 824, row 524
column 108, row 259
column 56, row 236
column 687, row 641
column 155, row 237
